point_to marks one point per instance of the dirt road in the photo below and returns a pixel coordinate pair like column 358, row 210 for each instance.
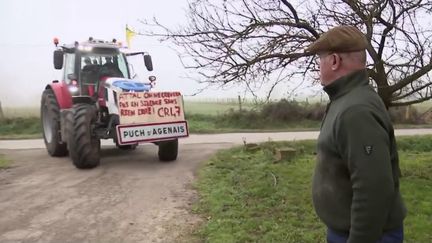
column 130, row 197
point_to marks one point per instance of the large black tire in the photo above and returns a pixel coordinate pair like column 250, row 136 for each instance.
column 69, row 123
column 50, row 116
column 84, row 146
column 168, row 150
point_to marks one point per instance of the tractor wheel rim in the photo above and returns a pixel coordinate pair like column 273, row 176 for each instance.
column 46, row 120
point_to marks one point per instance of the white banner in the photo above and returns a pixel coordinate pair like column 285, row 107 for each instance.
column 136, row 133
column 150, row 107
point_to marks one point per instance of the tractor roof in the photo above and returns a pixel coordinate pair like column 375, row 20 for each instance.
column 91, row 44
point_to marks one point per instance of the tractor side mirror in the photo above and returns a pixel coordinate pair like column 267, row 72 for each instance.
column 58, row 59
column 148, row 62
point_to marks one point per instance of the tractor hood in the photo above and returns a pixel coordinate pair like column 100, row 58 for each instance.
column 127, row 85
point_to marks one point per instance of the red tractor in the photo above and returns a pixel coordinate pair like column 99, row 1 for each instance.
column 95, row 98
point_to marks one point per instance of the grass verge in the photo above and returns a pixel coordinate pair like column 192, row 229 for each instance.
column 200, row 123
column 4, row 163
column 246, row 197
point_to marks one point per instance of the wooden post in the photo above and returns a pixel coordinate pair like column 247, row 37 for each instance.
column 240, row 103
column 284, row 154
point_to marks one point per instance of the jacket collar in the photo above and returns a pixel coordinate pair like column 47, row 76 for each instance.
column 347, row 83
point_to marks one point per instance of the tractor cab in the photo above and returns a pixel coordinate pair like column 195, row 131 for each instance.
column 87, row 65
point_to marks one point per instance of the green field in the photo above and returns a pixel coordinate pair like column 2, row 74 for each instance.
column 204, row 107
column 24, row 112
column 214, row 107
column 245, row 197
column 424, row 106
column 24, row 122
column 191, row 107
column 205, row 116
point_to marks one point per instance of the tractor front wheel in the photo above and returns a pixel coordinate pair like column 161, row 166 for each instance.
column 50, row 115
column 84, row 146
column 168, row 150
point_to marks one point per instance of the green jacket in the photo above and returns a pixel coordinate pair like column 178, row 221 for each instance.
column 356, row 181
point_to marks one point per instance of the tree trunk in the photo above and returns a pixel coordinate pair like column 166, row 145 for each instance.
column 383, row 88
column 385, row 96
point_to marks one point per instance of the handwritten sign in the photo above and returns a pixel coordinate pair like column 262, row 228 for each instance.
column 150, row 107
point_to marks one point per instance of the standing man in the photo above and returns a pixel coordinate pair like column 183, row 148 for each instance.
column 356, row 181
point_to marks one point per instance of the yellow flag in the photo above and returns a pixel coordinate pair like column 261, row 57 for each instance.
column 129, row 34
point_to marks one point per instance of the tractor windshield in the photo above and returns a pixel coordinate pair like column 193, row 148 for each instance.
column 99, row 64
column 108, row 65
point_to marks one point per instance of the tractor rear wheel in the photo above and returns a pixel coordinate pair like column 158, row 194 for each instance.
column 50, row 115
column 168, row 150
column 84, row 146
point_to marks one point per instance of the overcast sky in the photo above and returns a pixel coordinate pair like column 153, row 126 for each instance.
column 29, row 26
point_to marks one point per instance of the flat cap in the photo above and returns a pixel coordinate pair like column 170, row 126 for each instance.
column 339, row 39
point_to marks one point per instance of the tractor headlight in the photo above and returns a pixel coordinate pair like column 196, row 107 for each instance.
column 73, row 89
column 85, row 48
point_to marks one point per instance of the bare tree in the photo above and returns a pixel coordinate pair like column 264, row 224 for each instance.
column 258, row 42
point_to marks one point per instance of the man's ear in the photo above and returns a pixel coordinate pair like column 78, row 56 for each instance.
column 336, row 61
